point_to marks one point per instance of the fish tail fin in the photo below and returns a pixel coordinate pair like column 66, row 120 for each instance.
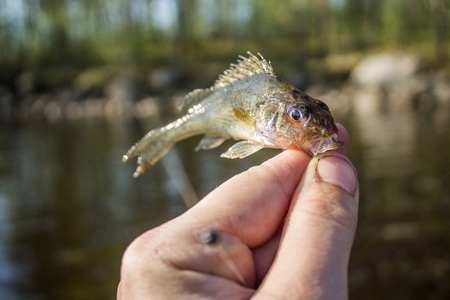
column 150, row 149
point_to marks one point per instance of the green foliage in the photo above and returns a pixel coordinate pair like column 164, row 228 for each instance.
column 81, row 33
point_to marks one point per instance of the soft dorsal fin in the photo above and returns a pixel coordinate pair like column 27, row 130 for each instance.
column 194, row 97
column 244, row 68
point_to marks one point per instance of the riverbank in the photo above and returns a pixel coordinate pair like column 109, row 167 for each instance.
column 378, row 83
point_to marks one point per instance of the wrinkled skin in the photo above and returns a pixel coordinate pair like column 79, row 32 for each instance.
column 284, row 231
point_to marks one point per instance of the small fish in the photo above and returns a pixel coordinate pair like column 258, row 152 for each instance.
column 248, row 103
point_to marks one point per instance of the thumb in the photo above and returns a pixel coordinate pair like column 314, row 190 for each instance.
column 312, row 260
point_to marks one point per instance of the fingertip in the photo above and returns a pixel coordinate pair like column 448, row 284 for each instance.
column 338, row 171
column 343, row 136
column 316, row 242
column 263, row 192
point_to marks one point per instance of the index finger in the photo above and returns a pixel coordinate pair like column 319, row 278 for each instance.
column 253, row 204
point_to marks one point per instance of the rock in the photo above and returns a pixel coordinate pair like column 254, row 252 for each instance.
column 94, row 108
column 401, row 96
column 53, row 111
column 441, row 90
column 25, row 82
column 147, row 108
column 74, row 111
column 368, row 101
column 127, row 88
column 385, row 69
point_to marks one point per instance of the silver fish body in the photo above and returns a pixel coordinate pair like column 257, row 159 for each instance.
column 248, row 103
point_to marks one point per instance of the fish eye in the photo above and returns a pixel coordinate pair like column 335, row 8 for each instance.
column 299, row 112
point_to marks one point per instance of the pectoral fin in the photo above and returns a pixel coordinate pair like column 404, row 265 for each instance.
column 241, row 149
column 244, row 116
column 209, row 142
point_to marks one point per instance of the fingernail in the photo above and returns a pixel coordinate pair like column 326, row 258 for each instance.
column 337, row 171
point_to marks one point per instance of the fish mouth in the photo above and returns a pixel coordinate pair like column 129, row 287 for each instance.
column 326, row 144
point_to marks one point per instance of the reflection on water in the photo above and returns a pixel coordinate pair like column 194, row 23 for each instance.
column 69, row 207
column 402, row 247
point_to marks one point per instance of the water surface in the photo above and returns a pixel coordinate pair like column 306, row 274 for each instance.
column 69, row 207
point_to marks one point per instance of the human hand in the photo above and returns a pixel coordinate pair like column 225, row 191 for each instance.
column 284, row 231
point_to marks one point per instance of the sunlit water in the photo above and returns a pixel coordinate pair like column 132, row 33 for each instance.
column 69, row 207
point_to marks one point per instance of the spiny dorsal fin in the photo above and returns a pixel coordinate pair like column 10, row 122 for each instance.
column 194, row 97
column 244, row 68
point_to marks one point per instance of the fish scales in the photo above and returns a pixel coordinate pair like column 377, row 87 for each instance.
column 248, row 103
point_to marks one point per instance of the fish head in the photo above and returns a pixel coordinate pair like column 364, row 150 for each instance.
column 308, row 124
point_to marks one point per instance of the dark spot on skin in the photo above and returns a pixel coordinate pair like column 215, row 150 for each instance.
column 297, row 94
column 300, row 96
column 209, row 237
column 322, row 105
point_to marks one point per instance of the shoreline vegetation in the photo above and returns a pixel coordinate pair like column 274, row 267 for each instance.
column 378, row 83
column 72, row 60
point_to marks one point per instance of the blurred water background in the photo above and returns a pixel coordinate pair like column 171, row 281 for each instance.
column 81, row 81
